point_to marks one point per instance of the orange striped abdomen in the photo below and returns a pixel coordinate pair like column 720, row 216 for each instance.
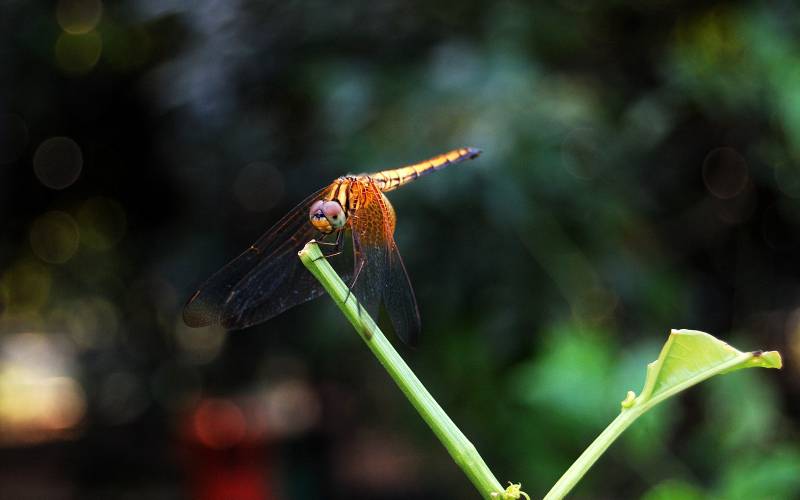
column 388, row 180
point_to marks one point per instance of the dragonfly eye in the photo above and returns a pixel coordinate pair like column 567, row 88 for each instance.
column 334, row 213
column 327, row 216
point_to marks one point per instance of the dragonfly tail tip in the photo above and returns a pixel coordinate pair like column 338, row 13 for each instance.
column 473, row 152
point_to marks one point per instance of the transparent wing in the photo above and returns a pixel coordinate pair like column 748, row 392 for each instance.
column 381, row 276
column 398, row 297
column 370, row 245
column 268, row 278
column 265, row 280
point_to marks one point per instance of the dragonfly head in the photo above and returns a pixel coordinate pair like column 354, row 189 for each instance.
column 327, row 216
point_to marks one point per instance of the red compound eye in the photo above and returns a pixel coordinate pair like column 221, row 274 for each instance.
column 327, row 216
column 334, row 213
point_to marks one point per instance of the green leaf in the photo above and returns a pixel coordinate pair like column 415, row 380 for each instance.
column 689, row 357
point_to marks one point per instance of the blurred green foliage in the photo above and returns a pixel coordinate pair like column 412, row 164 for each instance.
column 640, row 172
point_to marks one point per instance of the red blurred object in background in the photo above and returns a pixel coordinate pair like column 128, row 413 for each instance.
column 225, row 457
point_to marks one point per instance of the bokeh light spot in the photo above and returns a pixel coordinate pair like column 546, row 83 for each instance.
column 219, row 424
column 258, row 187
column 54, row 237
column 126, row 47
column 376, row 461
column 291, row 407
column 725, row 172
column 77, row 17
column 39, row 398
column 91, row 322
column 67, row 403
column 28, row 285
column 58, row 162
column 13, row 137
column 648, row 120
column 78, row 54
column 102, row 223
column 200, row 345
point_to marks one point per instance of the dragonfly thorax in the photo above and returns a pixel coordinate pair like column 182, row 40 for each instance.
column 327, row 216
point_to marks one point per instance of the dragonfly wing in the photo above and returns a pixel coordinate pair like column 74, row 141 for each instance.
column 383, row 278
column 398, row 297
column 268, row 266
column 279, row 283
column 371, row 235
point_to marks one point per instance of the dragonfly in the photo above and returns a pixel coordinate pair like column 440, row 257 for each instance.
column 268, row 278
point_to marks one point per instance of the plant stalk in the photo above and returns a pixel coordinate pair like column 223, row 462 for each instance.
column 459, row 447
column 642, row 404
column 590, row 455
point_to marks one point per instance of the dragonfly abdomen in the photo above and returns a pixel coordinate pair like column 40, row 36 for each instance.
column 389, row 180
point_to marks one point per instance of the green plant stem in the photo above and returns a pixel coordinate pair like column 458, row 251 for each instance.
column 576, row 471
column 459, row 447
column 642, row 404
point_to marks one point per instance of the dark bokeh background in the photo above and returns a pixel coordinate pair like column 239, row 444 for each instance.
column 640, row 172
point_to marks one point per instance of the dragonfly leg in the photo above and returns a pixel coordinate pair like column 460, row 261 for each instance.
column 359, row 267
column 360, row 261
column 329, row 243
column 338, row 246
